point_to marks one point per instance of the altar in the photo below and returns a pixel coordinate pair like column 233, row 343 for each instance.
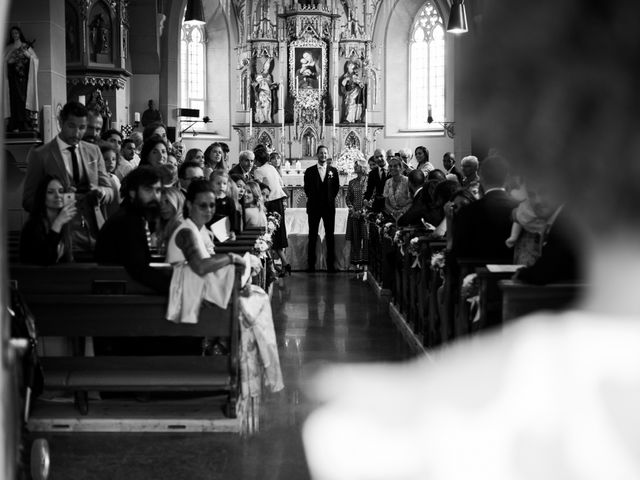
column 298, row 233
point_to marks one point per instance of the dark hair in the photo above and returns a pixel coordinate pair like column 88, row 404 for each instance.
column 168, row 174
column 236, row 176
column 225, row 147
column 106, row 147
column 444, row 191
column 416, row 177
column 128, row 140
column 182, row 169
column 274, row 154
column 261, row 154
column 263, row 186
column 143, row 175
column 463, row 192
column 208, row 162
column 22, row 39
column 40, row 196
column 196, row 187
column 112, row 131
column 448, row 155
column 437, row 175
column 494, row 171
column 149, row 130
column 149, row 145
column 191, row 153
column 424, row 150
column 73, row 108
column 319, row 147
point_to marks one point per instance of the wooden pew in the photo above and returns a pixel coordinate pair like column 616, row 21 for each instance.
column 78, row 300
column 520, row 299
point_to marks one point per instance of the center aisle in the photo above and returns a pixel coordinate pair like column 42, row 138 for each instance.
column 319, row 318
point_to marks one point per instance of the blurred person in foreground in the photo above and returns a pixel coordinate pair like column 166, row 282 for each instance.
column 550, row 396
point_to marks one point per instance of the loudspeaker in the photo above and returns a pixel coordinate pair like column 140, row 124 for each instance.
column 188, row 112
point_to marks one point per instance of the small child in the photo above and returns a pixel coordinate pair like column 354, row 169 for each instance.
column 254, row 213
column 526, row 233
column 225, row 206
column 110, row 157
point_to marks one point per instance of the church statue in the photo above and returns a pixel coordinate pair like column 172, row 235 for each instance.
column 263, row 88
column 100, row 34
column 353, row 91
column 20, row 86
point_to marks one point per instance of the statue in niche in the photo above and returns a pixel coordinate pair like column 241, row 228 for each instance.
column 20, row 87
column 309, row 143
column 100, row 32
column 354, row 29
column 353, row 92
column 263, row 89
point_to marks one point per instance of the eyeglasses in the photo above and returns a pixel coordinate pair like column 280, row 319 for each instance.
column 204, row 206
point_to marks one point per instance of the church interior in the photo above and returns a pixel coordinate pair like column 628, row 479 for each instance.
column 356, row 308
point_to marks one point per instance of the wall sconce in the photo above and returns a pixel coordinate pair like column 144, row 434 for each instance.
column 194, row 133
column 194, row 15
column 458, row 18
column 449, row 127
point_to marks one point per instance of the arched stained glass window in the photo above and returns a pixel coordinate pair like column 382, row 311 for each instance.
column 193, row 67
column 426, row 67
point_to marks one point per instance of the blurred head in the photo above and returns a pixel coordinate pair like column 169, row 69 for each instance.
column 379, row 157
column 219, row 180
column 462, row 197
column 422, row 154
column 142, row 188
column 416, row 180
column 189, row 171
column 404, row 154
column 151, row 104
column 444, row 192
column 178, row 151
column 361, row 166
column 109, row 156
column 448, row 160
column 246, row 160
column 73, row 123
column 493, row 172
column 137, row 138
column 543, row 200
column 171, row 203
column 128, row 149
column 168, row 175
column 261, row 155
column 15, row 34
column 213, row 156
column 469, row 166
column 114, row 137
column 154, row 152
column 94, row 126
column 200, row 203
column 437, row 174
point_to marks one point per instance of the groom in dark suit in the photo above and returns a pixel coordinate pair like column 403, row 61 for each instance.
column 321, row 185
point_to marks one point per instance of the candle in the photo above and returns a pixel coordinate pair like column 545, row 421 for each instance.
column 366, row 123
column 136, row 116
column 250, row 123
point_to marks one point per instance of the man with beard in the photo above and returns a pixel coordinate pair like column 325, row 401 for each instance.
column 124, row 238
column 94, row 126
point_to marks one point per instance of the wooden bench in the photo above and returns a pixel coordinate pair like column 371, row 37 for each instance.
column 520, row 299
column 88, row 300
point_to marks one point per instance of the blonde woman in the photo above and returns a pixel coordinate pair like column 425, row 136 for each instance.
column 357, row 232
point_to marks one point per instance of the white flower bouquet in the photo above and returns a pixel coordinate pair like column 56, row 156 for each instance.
column 346, row 159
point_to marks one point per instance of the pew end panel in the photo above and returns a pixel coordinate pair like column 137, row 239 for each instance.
column 519, row 299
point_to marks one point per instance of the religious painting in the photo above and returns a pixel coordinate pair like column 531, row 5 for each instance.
column 307, row 66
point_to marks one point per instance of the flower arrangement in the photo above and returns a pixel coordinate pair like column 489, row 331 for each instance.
column 273, row 222
column 388, row 230
column 437, row 261
column 261, row 247
column 346, row 159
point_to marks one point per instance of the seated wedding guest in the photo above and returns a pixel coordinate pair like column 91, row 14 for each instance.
column 266, row 192
column 449, row 164
column 171, row 215
column 110, row 157
column 226, row 160
column 419, row 208
column 480, row 229
column 459, row 199
column 470, row 167
column 240, row 185
column 234, row 194
column 156, row 129
column 372, row 163
column 124, row 238
column 188, row 171
column 126, row 161
column 254, row 211
column 80, row 168
column 213, row 159
column 154, row 152
column 559, row 260
column 199, row 274
column 172, row 160
column 277, row 201
column 397, row 198
column 421, row 160
column 357, row 232
column 45, row 238
column 276, row 160
column 406, row 156
column 225, row 206
column 195, row 155
column 244, row 166
column 178, row 151
column 137, row 138
column 168, row 175
column 436, row 174
column 375, row 182
column 560, row 384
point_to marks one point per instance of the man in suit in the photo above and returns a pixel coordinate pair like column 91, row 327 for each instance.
column 321, row 185
column 481, row 228
column 449, row 164
column 244, row 167
column 376, row 180
column 423, row 207
column 79, row 166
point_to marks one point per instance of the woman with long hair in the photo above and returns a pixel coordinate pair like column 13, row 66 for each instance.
column 213, row 159
column 154, row 152
column 45, row 237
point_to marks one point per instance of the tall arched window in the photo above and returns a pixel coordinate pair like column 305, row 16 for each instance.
column 193, row 67
column 426, row 67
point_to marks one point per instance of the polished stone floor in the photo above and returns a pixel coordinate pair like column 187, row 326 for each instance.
column 319, row 318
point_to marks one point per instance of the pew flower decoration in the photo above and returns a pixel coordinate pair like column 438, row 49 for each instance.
column 273, row 222
column 261, row 247
column 437, row 261
column 470, row 286
column 347, row 158
column 388, row 230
